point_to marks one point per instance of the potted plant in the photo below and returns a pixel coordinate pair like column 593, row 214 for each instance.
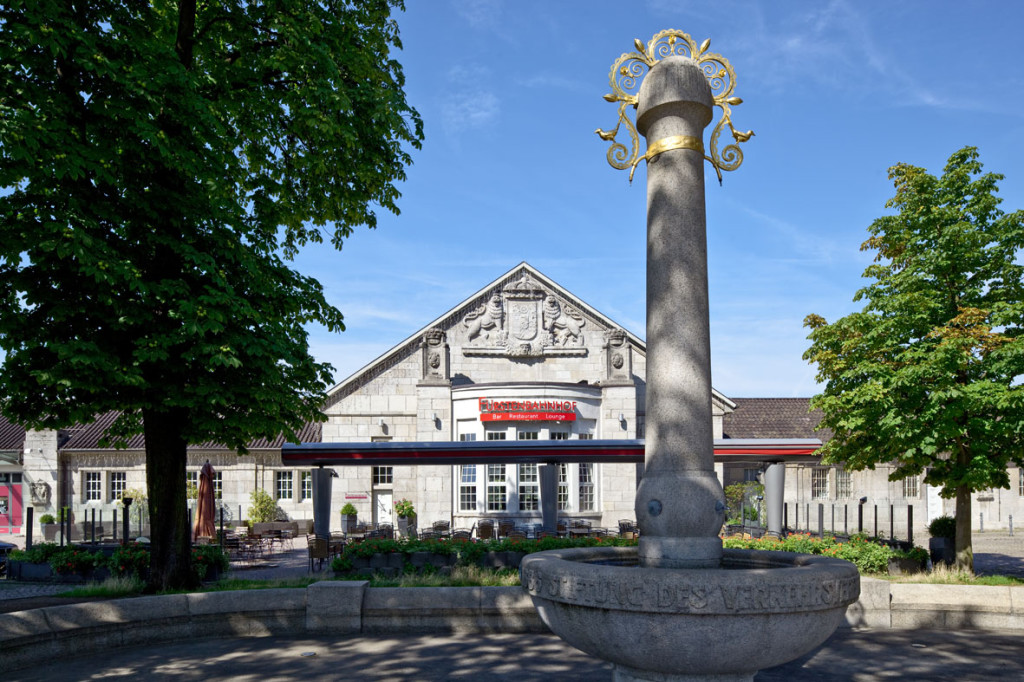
column 942, row 544
column 406, row 516
column 49, row 526
column 349, row 517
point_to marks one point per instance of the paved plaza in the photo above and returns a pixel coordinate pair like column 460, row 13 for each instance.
column 855, row 655
column 849, row 655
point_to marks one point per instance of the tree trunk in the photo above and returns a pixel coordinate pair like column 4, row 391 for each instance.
column 964, row 551
column 166, row 456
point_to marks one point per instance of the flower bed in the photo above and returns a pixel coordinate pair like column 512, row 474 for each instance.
column 869, row 556
column 435, row 554
column 48, row 561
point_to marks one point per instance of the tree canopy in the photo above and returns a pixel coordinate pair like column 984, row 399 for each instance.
column 927, row 377
column 160, row 163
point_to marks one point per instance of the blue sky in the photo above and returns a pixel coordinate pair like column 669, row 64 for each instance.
column 511, row 170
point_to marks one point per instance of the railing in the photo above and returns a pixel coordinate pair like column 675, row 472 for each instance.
column 891, row 521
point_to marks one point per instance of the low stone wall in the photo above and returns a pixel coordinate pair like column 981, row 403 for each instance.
column 335, row 607
column 350, row 608
column 908, row 606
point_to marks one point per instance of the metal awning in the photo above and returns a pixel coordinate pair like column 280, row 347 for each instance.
column 530, row 452
column 10, row 456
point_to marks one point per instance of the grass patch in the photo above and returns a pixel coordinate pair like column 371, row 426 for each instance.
column 111, row 588
column 947, row 575
column 462, row 576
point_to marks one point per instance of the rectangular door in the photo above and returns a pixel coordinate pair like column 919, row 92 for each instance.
column 382, row 506
column 10, row 507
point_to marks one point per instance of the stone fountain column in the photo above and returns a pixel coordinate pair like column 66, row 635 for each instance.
column 679, row 505
column 678, row 608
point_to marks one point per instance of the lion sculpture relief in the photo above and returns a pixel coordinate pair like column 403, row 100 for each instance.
column 563, row 325
column 486, row 318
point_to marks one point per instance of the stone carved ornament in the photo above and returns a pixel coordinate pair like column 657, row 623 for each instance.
column 435, row 354
column 40, row 493
column 524, row 320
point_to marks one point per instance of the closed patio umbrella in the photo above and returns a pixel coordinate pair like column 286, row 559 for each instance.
column 205, row 511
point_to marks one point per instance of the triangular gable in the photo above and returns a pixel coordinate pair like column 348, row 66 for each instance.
column 453, row 316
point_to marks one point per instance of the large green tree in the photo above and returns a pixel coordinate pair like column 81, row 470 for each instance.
column 160, row 163
column 927, row 377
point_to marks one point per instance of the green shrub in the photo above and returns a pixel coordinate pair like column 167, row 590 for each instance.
column 942, row 527
column 70, row 560
column 47, row 518
column 867, row 555
column 349, row 509
column 736, row 496
column 206, row 557
column 41, row 553
column 469, row 553
column 131, row 559
column 264, row 508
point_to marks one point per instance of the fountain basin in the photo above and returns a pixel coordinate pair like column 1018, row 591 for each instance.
column 757, row 610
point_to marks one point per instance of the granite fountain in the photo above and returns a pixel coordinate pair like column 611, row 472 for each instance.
column 678, row 606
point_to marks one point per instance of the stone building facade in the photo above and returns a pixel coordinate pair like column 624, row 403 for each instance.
column 521, row 358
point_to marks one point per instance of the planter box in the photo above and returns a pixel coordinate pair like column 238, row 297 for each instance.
column 942, row 550
column 348, row 522
column 904, row 566
column 20, row 570
column 50, row 531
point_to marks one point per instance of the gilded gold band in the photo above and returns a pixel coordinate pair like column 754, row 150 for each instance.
column 674, row 142
column 666, row 144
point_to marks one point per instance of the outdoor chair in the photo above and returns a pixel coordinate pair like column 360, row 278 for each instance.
column 319, row 551
column 485, row 530
column 516, row 535
column 504, row 528
column 462, row 535
column 442, row 528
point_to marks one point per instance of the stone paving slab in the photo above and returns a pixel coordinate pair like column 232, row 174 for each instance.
column 850, row 655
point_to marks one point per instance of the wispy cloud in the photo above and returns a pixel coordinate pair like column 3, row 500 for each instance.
column 480, row 14
column 469, row 103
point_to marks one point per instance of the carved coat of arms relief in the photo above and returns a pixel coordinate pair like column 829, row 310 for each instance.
column 524, row 320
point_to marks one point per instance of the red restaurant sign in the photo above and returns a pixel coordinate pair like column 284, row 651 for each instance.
column 544, row 410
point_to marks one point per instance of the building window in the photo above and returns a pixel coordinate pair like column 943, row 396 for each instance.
column 586, row 487
column 1020, row 482
column 467, row 487
column 218, row 484
column 559, row 435
column 496, row 435
column 750, row 475
column 844, row 483
column 819, row 484
column 118, row 484
column 467, row 436
column 283, row 485
column 586, row 436
column 529, row 488
column 497, row 495
column 306, row 492
column 563, row 487
column 526, row 435
column 383, row 475
column 910, row 487
column 192, row 482
column 93, row 486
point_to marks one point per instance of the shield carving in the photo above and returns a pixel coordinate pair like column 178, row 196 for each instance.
column 524, row 322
